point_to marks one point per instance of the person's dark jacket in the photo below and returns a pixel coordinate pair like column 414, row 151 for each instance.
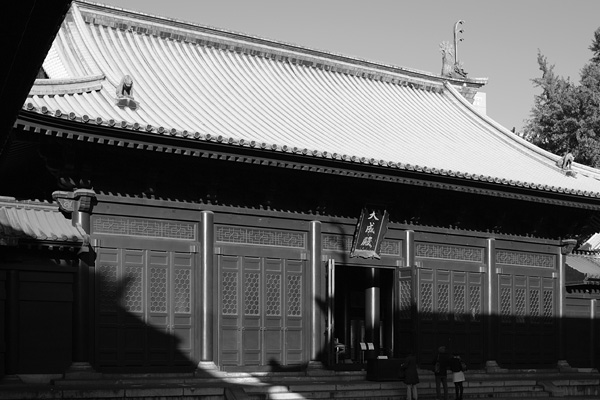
column 443, row 359
column 411, row 376
column 455, row 364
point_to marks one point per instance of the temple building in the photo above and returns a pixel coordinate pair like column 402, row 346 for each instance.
column 177, row 197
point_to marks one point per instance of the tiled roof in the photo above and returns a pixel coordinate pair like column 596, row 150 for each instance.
column 36, row 221
column 210, row 85
column 587, row 264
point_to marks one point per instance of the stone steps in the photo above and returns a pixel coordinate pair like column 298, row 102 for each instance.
column 308, row 385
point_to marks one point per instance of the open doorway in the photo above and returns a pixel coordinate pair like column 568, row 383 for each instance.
column 363, row 314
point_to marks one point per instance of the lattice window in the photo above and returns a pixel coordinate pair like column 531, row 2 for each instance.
column 405, row 299
column 273, row 296
column 447, row 252
column 143, row 227
column 344, row 243
column 262, row 237
column 182, row 288
column 443, row 301
column 426, row 301
column 108, row 287
column 391, row 247
column 459, row 302
column 251, row 294
column 505, row 304
column 158, row 290
column 534, row 304
column 132, row 300
column 525, row 259
column 548, row 305
column 520, row 305
column 294, row 295
column 230, row 293
column 475, row 302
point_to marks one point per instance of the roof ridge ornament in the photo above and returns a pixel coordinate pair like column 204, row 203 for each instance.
column 125, row 93
column 565, row 163
column 451, row 66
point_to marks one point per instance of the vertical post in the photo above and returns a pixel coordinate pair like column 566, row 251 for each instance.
column 409, row 257
column 207, row 289
column 562, row 362
column 81, row 205
column 12, row 322
column 317, row 313
column 491, row 308
column 593, row 338
column 566, row 247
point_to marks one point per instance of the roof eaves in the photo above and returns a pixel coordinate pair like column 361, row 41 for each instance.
column 347, row 158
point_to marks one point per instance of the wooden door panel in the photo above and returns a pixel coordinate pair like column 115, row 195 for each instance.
column 182, row 292
column 271, row 303
column 450, row 307
column 527, row 329
column 251, row 346
column 144, row 304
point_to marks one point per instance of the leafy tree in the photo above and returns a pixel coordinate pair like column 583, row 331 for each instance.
column 566, row 116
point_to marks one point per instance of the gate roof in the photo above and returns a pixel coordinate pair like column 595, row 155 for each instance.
column 211, row 85
column 34, row 221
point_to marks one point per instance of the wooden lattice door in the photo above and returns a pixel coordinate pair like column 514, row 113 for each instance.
column 144, row 312
column 450, row 313
column 527, row 327
column 261, row 311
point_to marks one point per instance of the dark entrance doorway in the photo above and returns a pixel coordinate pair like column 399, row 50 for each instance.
column 363, row 314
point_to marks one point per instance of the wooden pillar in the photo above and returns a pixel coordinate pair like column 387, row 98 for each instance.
column 12, row 322
column 409, row 259
column 80, row 204
column 566, row 247
column 316, row 296
column 207, row 289
column 593, row 338
column 491, row 308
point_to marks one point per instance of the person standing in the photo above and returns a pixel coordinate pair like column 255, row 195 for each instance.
column 440, row 369
column 411, row 376
column 457, row 366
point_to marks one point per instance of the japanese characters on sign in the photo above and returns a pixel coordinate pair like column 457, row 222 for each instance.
column 370, row 231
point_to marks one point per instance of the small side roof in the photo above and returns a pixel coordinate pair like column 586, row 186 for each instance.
column 36, row 222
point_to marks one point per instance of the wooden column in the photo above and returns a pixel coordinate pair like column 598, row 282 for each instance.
column 80, row 204
column 316, row 296
column 491, row 308
column 12, row 322
column 207, row 289
column 409, row 258
column 593, row 338
column 566, row 247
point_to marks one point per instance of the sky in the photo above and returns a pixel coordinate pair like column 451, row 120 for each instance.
column 501, row 38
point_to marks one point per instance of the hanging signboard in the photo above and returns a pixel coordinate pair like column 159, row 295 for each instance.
column 369, row 233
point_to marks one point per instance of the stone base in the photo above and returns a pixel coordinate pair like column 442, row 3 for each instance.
column 82, row 370
column 208, row 369
column 316, row 368
column 563, row 366
column 8, row 379
column 492, row 367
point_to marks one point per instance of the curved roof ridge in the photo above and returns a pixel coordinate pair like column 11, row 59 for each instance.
column 235, row 39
